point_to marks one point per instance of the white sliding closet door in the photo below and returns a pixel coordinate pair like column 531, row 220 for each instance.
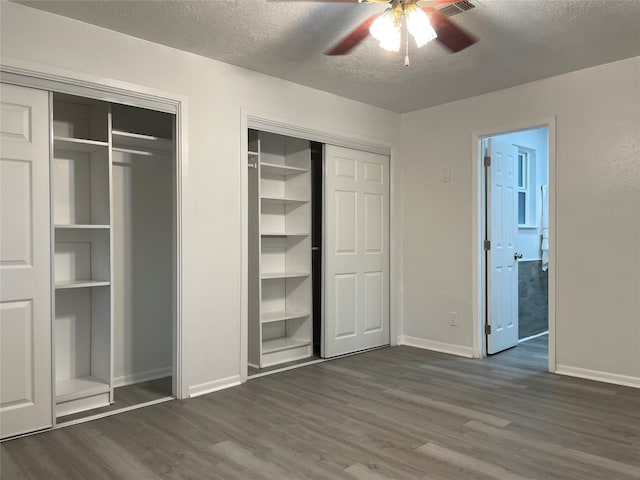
column 25, row 268
column 356, row 251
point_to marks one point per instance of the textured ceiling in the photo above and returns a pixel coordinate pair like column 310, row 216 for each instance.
column 519, row 41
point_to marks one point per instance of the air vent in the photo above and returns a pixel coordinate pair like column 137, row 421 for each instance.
column 456, row 8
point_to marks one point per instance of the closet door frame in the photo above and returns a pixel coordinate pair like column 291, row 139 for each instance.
column 268, row 123
column 56, row 80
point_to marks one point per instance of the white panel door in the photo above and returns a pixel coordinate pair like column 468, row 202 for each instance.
column 502, row 231
column 356, row 246
column 25, row 268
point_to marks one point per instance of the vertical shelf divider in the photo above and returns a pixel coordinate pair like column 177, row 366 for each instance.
column 82, row 238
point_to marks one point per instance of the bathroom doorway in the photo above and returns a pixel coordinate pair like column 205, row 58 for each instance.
column 516, row 244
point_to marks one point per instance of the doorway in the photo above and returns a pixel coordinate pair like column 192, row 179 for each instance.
column 514, row 173
column 141, row 257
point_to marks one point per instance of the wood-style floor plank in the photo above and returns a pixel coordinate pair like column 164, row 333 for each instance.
column 396, row 413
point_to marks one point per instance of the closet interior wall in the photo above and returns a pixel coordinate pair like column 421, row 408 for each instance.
column 143, row 198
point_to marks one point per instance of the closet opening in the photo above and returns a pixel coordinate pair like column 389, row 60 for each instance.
column 317, row 251
column 115, row 256
column 285, row 258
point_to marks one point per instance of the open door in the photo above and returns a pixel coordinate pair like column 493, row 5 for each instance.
column 356, row 246
column 25, row 268
column 502, row 255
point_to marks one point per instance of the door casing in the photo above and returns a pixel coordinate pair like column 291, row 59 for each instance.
column 290, row 127
column 48, row 78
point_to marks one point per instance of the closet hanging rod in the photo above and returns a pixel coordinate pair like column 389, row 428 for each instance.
column 140, row 141
column 141, row 152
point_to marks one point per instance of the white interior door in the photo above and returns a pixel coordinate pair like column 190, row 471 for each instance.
column 356, row 246
column 502, row 231
column 25, row 267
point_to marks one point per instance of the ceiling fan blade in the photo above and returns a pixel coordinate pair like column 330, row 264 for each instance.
column 349, row 42
column 450, row 35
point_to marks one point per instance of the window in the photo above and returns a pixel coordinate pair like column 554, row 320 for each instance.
column 523, row 188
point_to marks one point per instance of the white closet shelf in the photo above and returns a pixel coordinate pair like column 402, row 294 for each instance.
column 284, row 234
column 252, row 153
column 286, row 170
column 283, row 201
column 78, row 144
column 82, row 226
column 283, row 343
column 276, row 275
column 140, row 144
column 81, row 284
column 79, row 387
column 284, row 315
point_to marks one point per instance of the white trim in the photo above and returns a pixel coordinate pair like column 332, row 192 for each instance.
column 180, row 363
column 113, row 412
column 244, row 246
column 290, row 367
column 313, row 362
column 478, row 214
column 450, row 348
column 210, row 387
column 269, row 123
column 48, row 77
column 146, row 376
column 52, row 280
column 531, row 337
column 598, row 376
column 395, row 247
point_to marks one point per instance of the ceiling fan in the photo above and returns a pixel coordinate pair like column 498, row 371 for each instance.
column 424, row 23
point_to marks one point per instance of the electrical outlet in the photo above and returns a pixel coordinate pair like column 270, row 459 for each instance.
column 453, row 319
column 445, row 175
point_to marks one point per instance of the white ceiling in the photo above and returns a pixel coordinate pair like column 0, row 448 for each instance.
column 519, row 41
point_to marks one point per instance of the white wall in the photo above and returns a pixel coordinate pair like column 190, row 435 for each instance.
column 142, row 267
column 598, row 188
column 538, row 140
column 216, row 92
column 597, row 206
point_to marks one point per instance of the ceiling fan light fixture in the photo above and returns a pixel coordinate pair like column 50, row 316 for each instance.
column 419, row 25
column 386, row 29
column 391, row 42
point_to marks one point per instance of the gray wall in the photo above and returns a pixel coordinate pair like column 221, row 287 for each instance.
column 533, row 292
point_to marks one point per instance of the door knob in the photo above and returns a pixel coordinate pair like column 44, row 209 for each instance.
column 517, row 256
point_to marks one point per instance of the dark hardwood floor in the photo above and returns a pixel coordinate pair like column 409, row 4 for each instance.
column 395, row 413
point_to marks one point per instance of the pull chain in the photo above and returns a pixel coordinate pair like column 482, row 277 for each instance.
column 406, row 50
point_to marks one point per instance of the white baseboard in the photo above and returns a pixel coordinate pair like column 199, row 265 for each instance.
column 142, row 376
column 442, row 347
column 598, row 376
column 209, row 387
